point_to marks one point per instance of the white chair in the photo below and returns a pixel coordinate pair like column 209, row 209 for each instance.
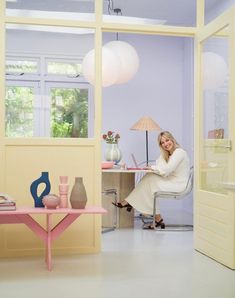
column 172, row 195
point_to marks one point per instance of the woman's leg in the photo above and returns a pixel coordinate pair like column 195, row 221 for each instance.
column 141, row 197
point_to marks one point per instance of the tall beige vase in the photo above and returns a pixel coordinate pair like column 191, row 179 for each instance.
column 78, row 197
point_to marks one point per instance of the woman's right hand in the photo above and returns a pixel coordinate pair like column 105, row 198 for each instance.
column 148, row 168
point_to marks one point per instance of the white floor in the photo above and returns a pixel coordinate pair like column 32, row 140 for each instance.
column 133, row 263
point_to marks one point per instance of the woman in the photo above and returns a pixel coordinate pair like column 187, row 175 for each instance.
column 170, row 173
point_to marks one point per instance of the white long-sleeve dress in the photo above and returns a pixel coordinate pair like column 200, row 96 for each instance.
column 167, row 176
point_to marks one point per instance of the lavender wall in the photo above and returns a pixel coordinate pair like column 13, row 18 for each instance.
column 157, row 91
column 215, row 8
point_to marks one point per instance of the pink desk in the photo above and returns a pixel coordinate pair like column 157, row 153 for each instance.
column 23, row 215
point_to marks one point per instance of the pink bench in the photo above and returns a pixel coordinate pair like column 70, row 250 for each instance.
column 23, row 215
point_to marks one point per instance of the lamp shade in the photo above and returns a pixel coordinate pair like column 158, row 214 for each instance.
column 128, row 57
column 214, row 70
column 110, row 67
column 146, row 123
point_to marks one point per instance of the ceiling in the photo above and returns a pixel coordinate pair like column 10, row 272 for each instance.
column 175, row 12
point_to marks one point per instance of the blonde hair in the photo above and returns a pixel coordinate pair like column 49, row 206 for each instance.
column 169, row 136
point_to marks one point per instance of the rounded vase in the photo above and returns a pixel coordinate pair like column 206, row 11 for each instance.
column 113, row 153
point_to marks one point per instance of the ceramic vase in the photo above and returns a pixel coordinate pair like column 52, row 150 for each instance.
column 51, row 201
column 63, row 190
column 44, row 179
column 78, row 197
column 113, row 153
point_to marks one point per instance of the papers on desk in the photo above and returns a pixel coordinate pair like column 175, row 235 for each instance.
column 141, row 169
column 6, row 202
column 107, row 164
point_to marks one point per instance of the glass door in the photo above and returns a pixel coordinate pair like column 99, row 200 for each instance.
column 214, row 202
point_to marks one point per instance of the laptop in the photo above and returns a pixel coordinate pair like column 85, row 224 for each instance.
column 136, row 167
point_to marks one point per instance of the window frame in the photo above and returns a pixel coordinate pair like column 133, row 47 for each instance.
column 44, row 80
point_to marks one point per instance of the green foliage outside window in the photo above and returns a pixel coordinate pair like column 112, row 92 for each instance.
column 69, row 113
column 19, row 111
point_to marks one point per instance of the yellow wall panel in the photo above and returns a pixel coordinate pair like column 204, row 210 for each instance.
column 24, row 164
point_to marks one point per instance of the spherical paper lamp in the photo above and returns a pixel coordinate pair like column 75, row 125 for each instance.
column 214, row 70
column 129, row 59
column 110, row 67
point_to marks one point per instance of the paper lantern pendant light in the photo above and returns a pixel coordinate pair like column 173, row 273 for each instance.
column 110, row 67
column 129, row 59
column 120, row 63
column 214, row 70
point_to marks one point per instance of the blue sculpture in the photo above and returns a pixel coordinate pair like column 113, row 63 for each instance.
column 34, row 189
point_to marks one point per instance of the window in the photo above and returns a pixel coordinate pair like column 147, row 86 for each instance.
column 21, row 66
column 56, row 67
column 53, row 102
column 20, row 101
column 69, row 110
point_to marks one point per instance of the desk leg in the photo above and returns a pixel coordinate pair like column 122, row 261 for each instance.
column 48, row 243
column 124, row 183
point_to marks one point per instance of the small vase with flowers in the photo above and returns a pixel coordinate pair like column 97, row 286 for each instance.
column 112, row 151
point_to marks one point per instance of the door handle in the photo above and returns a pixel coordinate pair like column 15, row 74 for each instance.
column 229, row 185
column 229, row 146
column 225, row 146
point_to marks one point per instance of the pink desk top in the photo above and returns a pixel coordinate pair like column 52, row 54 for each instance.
column 132, row 170
column 28, row 210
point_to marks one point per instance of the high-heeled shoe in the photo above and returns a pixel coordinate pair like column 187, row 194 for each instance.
column 157, row 224
column 119, row 205
column 160, row 223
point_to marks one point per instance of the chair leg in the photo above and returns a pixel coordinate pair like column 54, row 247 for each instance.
column 150, row 220
column 169, row 227
column 178, row 227
column 114, row 193
column 154, row 211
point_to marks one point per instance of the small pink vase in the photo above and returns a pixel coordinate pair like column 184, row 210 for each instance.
column 63, row 190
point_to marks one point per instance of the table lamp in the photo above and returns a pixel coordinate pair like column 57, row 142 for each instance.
column 146, row 124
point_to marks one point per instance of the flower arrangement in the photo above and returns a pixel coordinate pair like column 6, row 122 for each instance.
column 111, row 137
